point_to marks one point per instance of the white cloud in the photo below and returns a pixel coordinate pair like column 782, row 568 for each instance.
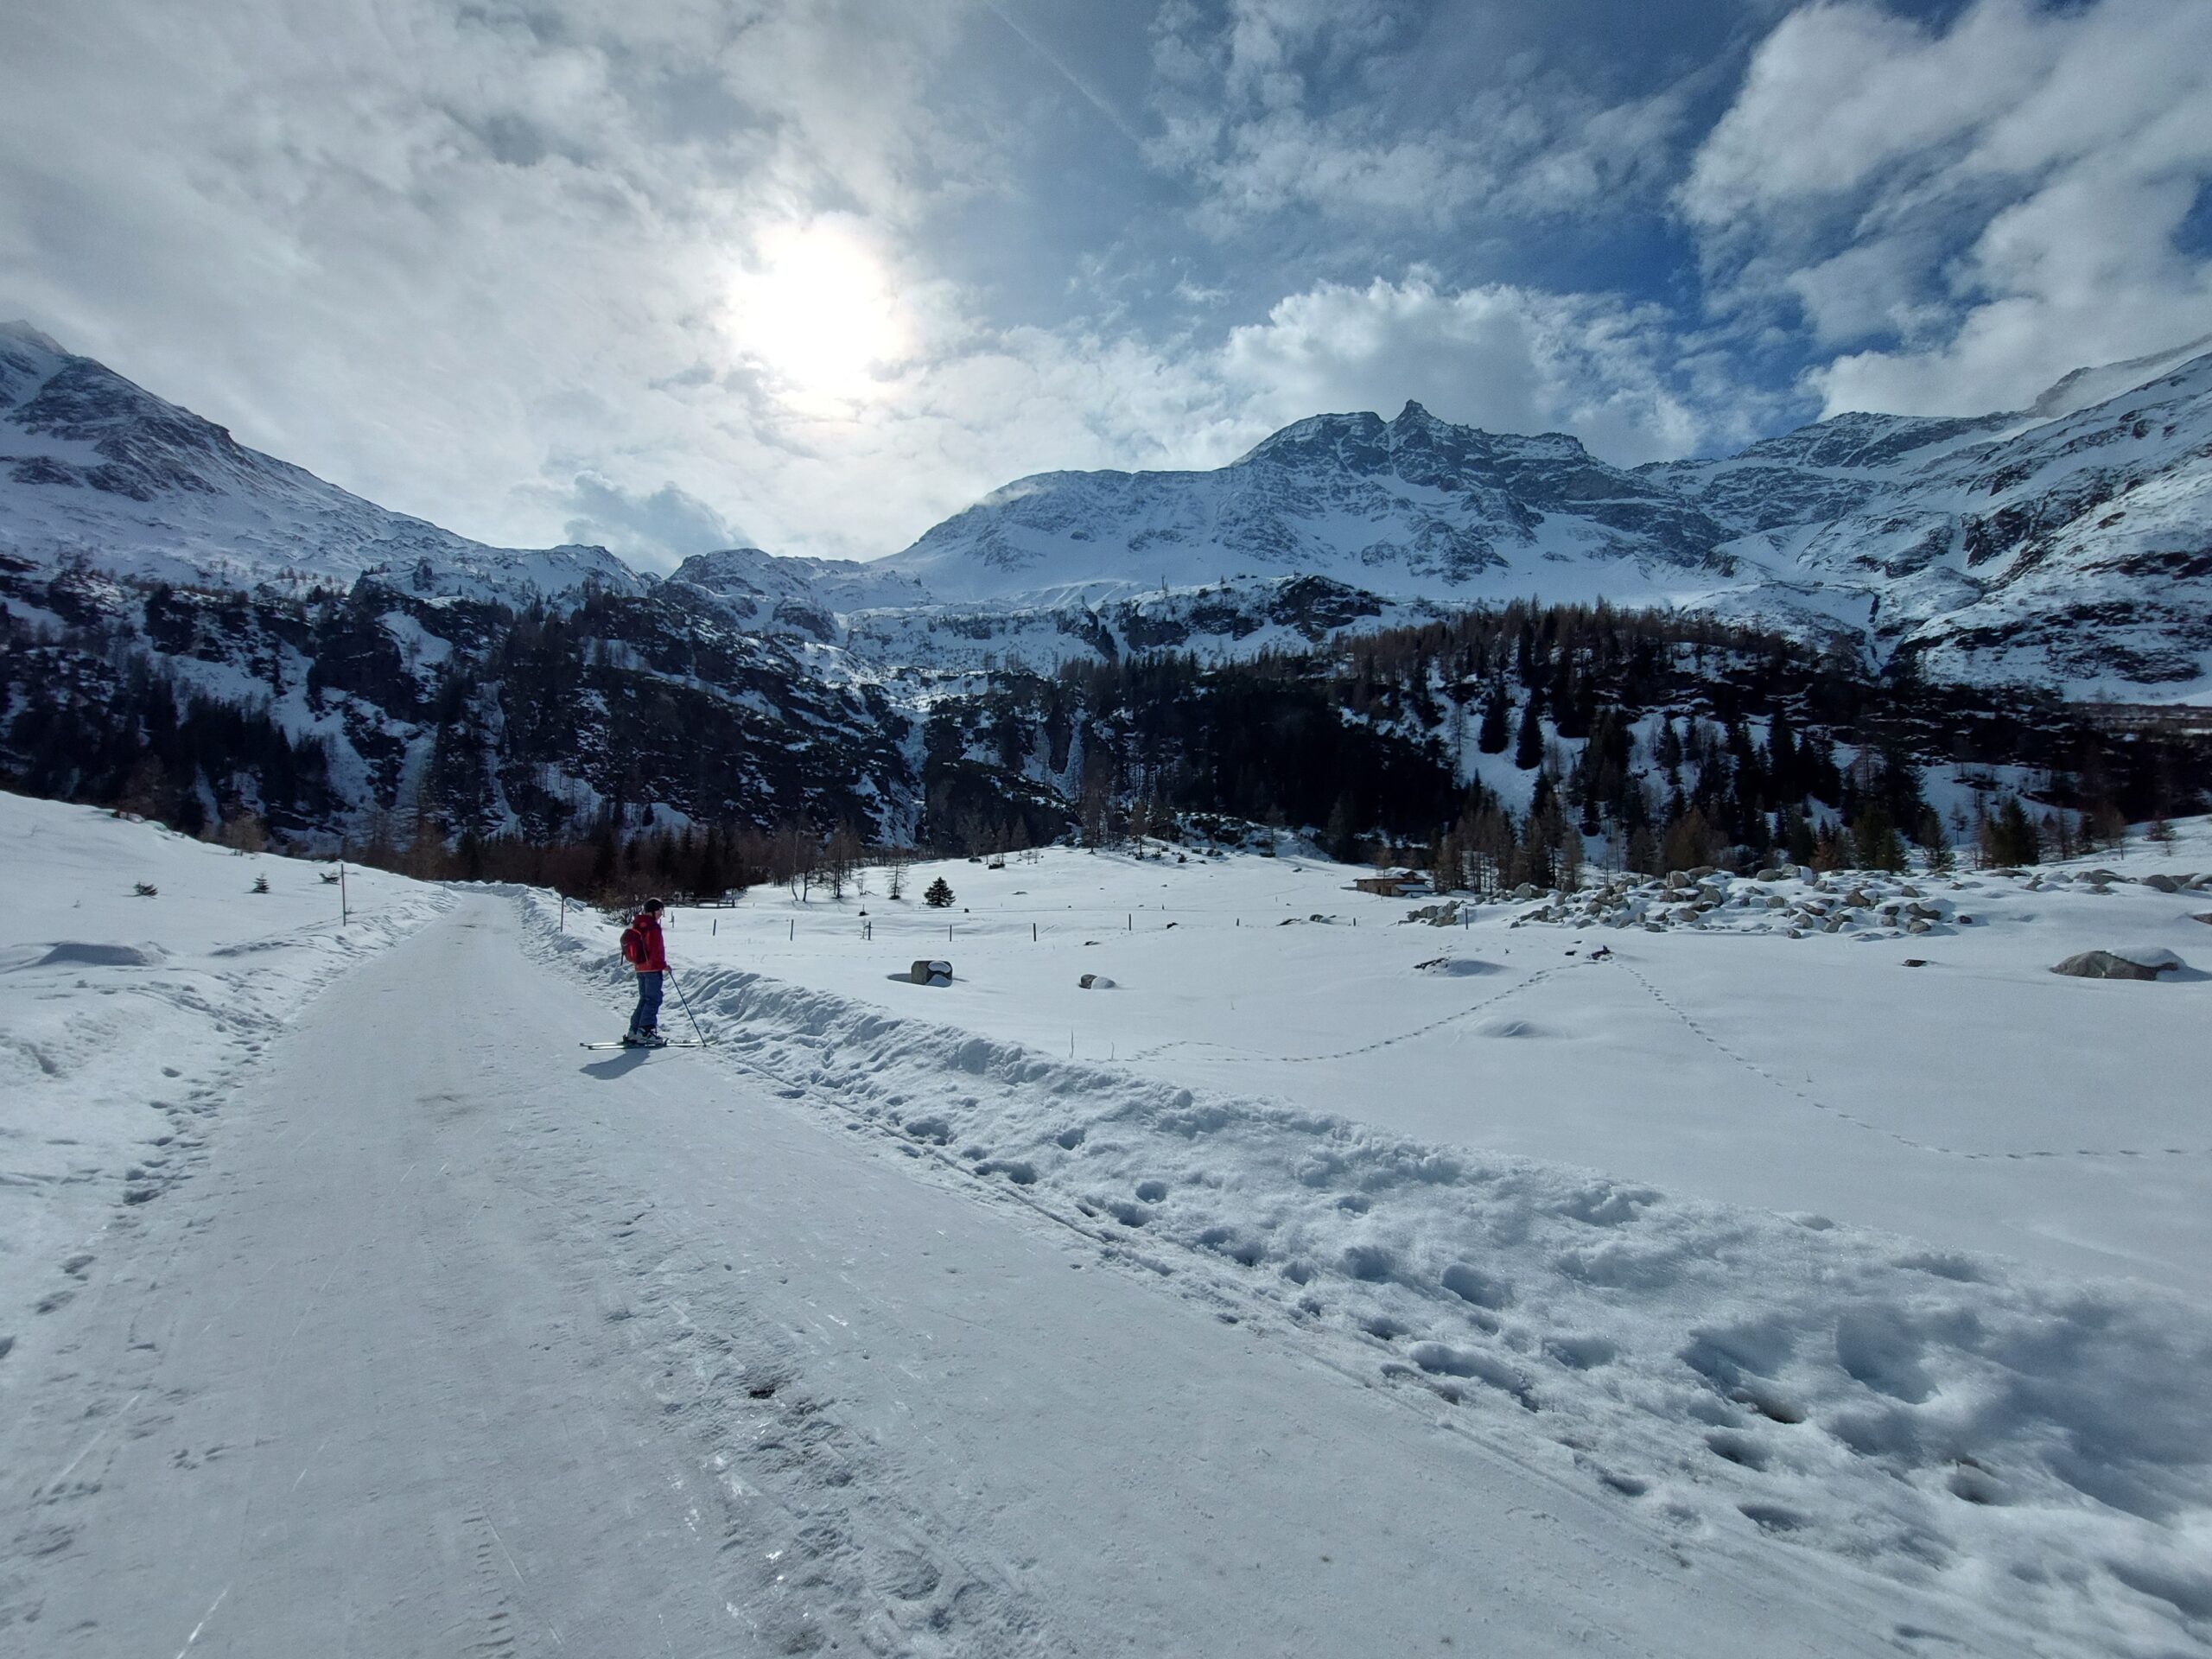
column 558, row 269
column 1512, row 359
column 1288, row 104
column 654, row 530
column 868, row 478
column 433, row 251
column 1977, row 210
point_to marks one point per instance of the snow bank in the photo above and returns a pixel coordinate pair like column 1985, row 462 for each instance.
column 125, row 1016
column 2023, row 1443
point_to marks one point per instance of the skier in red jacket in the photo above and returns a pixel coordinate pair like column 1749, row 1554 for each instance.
column 645, row 950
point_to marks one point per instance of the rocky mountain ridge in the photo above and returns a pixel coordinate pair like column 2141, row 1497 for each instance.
column 2067, row 547
column 2071, row 551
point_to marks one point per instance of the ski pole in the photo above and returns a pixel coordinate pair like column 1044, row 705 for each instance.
column 704, row 1042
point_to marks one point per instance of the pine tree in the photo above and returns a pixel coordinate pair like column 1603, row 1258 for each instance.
column 1341, row 837
column 2014, row 838
column 1529, row 744
column 1491, row 738
column 1875, row 844
column 938, row 895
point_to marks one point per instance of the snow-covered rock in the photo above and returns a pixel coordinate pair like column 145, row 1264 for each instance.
column 2137, row 962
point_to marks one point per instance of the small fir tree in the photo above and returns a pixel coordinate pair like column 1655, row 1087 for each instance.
column 1493, row 736
column 938, row 895
column 1529, row 743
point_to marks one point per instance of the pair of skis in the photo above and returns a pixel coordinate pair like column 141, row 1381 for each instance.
column 667, row 1042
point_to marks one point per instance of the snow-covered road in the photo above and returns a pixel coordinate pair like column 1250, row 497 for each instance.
column 465, row 1340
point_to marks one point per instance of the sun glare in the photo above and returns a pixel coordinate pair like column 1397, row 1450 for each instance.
column 820, row 313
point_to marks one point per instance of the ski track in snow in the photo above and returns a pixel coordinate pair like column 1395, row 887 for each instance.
column 464, row 1348
column 2031, row 1447
column 118, row 1059
column 212, row 1401
column 1231, row 1055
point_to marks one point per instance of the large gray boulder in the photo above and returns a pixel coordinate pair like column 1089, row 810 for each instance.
column 931, row 973
column 2137, row 964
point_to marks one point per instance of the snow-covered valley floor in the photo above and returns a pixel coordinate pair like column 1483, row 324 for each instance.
column 887, row 1326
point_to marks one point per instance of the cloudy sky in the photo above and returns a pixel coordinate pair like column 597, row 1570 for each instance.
column 671, row 275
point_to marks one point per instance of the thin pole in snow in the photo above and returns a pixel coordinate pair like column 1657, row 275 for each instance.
column 704, row 1040
column 343, row 914
column 794, row 932
column 1033, row 932
column 713, row 925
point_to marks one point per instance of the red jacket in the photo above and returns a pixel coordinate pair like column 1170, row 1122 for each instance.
column 641, row 945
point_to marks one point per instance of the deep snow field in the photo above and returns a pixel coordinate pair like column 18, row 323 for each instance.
column 1977, row 1102
column 1641, row 1273
column 1759, row 1226
column 124, row 1019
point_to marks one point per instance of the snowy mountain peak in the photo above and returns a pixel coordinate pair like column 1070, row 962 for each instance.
column 28, row 360
column 2088, row 386
column 2065, row 549
column 24, row 335
column 1415, row 507
column 92, row 466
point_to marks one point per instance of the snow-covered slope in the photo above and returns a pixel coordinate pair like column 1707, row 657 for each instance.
column 96, row 467
column 2075, row 550
column 1847, row 1242
column 462, row 1340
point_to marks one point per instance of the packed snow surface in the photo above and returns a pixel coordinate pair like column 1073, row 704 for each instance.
column 126, row 1017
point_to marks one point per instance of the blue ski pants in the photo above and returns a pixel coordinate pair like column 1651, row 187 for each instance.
column 648, row 1013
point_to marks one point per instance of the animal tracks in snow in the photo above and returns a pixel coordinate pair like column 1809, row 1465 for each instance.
column 1698, row 1029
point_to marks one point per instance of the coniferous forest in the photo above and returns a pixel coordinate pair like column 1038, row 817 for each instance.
column 629, row 743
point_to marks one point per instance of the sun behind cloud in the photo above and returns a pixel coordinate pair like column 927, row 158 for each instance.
column 819, row 311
